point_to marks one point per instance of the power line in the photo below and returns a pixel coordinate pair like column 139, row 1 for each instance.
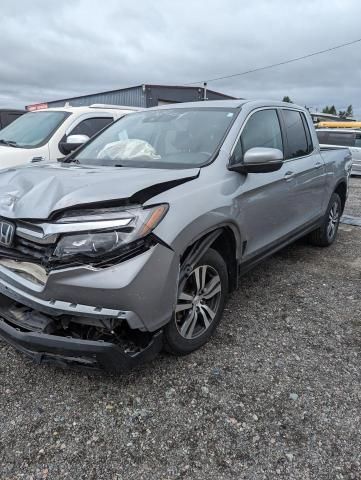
column 277, row 64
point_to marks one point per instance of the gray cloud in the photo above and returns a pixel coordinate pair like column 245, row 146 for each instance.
column 85, row 46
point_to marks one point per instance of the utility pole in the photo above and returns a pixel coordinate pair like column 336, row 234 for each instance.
column 205, row 91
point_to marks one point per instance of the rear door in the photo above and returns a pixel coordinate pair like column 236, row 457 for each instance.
column 306, row 166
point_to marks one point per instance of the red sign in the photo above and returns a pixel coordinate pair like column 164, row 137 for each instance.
column 36, row 106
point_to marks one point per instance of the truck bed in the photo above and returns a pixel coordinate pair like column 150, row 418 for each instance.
column 332, row 152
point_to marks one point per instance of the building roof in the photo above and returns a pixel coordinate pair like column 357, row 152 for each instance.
column 331, row 116
column 146, row 85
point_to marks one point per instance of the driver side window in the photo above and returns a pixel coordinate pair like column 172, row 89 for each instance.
column 261, row 130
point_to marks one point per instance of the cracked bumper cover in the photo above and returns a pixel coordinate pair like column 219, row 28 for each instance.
column 141, row 291
column 64, row 351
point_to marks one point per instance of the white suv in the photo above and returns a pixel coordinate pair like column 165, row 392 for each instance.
column 343, row 137
column 52, row 133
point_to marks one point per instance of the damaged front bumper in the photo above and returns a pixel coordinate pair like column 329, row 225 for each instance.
column 99, row 318
column 42, row 339
column 141, row 291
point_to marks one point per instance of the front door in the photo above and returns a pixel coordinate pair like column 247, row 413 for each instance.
column 263, row 202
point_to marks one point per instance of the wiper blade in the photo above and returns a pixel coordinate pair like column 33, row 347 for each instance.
column 8, row 143
column 67, row 160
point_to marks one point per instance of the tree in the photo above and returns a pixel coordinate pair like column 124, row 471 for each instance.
column 346, row 113
column 342, row 113
column 349, row 111
column 331, row 110
column 287, row 99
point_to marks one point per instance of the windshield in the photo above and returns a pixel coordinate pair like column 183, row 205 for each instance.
column 32, row 129
column 165, row 138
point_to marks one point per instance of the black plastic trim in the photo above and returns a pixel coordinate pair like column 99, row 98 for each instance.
column 71, row 352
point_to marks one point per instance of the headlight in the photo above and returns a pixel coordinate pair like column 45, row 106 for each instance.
column 93, row 244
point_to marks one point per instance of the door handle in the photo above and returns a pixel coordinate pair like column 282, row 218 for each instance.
column 289, row 175
column 318, row 164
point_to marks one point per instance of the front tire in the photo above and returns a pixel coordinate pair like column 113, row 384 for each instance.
column 326, row 234
column 200, row 305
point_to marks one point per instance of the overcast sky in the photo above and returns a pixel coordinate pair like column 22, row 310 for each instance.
column 51, row 50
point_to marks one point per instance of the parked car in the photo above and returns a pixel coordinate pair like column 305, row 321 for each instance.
column 134, row 242
column 52, row 133
column 8, row 115
column 343, row 138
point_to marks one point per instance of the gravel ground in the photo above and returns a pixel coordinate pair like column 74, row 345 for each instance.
column 276, row 394
column 354, row 200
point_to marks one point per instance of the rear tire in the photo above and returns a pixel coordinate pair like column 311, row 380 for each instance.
column 200, row 305
column 326, row 234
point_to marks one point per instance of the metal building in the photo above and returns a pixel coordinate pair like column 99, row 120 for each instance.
column 139, row 96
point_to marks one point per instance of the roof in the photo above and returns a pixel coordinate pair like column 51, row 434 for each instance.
column 146, row 85
column 201, row 104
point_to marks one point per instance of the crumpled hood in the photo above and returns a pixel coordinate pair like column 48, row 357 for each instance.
column 37, row 191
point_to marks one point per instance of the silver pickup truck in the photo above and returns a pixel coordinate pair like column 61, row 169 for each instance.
column 133, row 243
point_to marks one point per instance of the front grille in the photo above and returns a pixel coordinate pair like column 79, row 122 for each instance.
column 26, row 250
column 33, row 250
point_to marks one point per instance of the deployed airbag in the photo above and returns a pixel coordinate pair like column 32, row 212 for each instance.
column 129, row 149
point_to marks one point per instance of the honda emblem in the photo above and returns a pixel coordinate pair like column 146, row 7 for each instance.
column 7, row 231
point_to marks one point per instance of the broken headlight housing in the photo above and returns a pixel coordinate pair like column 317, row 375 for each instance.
column 110, row 230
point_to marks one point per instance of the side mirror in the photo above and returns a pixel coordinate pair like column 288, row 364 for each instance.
column 72, row 143
column 259, row 160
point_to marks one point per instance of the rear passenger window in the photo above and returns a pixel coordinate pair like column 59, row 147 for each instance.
column 298, row 144
column 358, row 140
column 91, row 126
column 261, row 130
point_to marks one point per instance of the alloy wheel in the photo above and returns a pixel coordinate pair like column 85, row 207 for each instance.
column 198, row 302
column 333, row 220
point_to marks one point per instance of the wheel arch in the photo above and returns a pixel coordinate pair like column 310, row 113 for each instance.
column 225, row 240
column 341, row 190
